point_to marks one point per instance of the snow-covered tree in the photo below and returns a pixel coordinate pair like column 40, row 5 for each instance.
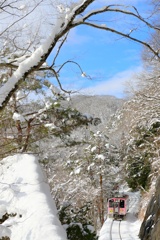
column 77, row 223
column 31, row 47
column 138, row 123
column 30, row 33
column 98, row 165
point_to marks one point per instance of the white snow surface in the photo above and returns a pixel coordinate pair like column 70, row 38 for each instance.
column 17, row 116
column 129, row 227
column 24, row 191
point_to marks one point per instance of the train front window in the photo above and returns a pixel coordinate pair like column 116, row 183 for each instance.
column 121, row 204
column 111, row 201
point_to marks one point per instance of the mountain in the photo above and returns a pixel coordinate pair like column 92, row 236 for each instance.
column 102, row 107
column 98, row 106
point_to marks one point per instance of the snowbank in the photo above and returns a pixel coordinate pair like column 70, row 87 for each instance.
column 26, row 202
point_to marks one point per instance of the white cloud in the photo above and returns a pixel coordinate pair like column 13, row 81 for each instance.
column 115, row 85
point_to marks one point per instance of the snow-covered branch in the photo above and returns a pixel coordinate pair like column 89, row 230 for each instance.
column 66, row 18
column 20, row 18
column 32, row 63
column 110, row 8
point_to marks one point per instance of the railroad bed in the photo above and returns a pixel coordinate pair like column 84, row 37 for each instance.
column 126, row 229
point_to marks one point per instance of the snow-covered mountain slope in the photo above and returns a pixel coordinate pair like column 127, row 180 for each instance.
column 27, row 210
column 98, row 106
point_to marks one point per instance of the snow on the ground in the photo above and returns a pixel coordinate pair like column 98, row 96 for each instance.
column 25, row 196
column 129, row 227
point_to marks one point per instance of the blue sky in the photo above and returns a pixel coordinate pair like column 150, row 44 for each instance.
column 107, row 58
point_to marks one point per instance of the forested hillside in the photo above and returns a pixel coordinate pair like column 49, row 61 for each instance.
column 140, row 122
column 98, row 106
column 84, row 164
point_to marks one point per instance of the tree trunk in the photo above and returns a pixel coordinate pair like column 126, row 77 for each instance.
column 101, row 199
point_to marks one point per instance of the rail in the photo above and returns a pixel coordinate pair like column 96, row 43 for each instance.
column 119, row 229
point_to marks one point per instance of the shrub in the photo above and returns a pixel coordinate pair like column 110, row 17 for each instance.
column 77, row 223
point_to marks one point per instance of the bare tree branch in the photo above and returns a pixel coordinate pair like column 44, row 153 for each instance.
column 61, row 30
column 124, row 12
column 59, row 48
column 156, row 53
column 42, row 55
column 18, row 20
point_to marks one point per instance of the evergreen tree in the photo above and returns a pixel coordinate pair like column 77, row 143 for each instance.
column 77, row 223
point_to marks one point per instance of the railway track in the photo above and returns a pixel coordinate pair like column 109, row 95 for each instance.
column 122, row 229
column 117, row 227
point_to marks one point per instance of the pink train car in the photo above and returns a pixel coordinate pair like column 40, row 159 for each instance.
column 118, row 207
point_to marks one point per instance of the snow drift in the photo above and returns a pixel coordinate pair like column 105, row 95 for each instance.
column 27, row 210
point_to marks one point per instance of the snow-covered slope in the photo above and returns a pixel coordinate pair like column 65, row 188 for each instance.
column 26, row 202
column 98, row 106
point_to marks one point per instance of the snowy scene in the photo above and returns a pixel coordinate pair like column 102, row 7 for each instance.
column 123, row 229
column 26, row 203
column 79, row 120
column 26, row 199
